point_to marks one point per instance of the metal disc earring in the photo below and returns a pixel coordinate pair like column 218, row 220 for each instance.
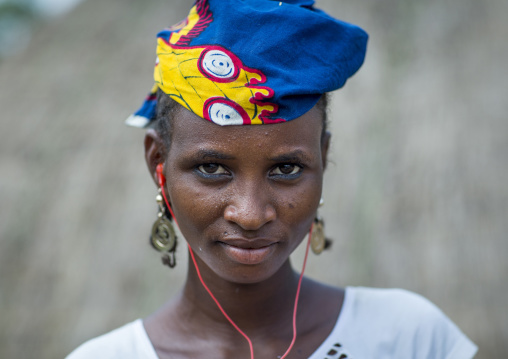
column 163, row 237
column 318, row 240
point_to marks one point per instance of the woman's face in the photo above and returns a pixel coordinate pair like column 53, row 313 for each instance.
column 245, row 196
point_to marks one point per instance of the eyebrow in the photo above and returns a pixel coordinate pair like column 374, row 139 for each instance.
column 212, row 154
column 294, row 156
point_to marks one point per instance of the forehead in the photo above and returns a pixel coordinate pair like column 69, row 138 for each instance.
column 189, row 131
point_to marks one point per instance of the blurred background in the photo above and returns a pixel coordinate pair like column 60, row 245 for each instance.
column 415, row 195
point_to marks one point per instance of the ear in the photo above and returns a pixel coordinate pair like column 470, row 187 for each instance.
column 325, row 145
column 155, row 152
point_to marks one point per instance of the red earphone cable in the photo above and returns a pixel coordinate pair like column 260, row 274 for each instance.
column 251, row 348
column 298, row 294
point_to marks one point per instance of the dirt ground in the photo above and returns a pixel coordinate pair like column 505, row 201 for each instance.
column 415, row 195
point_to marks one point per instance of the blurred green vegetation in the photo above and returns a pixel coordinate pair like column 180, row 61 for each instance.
column 17, row 19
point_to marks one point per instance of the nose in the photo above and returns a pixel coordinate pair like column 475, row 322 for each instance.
column 250, row 208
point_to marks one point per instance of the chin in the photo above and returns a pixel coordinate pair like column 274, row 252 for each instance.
column 248, row 276
column 241, row 273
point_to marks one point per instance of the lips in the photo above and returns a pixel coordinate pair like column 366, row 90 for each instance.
column 250, row 252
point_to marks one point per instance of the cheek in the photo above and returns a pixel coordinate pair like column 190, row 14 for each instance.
column 297, row 207
column 195, row 207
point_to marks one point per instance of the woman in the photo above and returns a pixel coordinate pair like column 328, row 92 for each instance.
column 244, row 197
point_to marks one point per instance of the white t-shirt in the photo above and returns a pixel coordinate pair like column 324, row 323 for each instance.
column 373, row 324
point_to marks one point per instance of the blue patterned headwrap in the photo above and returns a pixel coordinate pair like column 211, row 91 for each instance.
column 237, row 62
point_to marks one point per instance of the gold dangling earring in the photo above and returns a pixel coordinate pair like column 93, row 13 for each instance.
column 163, row 237
column 318, row 240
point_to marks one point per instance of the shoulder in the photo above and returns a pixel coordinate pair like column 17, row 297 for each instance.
column 405, row 322
column 129, row 341
column 393, row 302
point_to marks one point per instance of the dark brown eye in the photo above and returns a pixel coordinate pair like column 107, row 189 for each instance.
column 211, row 169
column 286, row 169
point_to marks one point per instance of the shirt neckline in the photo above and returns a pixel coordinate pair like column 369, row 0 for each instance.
column 329, row 343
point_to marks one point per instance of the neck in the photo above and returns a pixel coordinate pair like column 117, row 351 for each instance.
column 253, row 307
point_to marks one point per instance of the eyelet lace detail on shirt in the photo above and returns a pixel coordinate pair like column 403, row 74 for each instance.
column 337, row 352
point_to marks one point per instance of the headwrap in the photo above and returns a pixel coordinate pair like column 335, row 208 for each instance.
column 239, row 62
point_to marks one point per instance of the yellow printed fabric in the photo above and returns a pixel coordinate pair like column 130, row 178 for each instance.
column 213, row 83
